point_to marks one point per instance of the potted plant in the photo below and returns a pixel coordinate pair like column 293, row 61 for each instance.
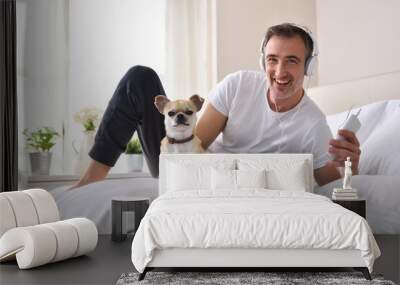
column 134, row 155
column 41, row 141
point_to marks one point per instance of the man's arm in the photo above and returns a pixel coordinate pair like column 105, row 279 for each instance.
column 210, row 125
column 326, row 174
column 96, row 171
column 350, row 147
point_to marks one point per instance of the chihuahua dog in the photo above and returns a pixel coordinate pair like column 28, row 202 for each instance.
column 180, row 121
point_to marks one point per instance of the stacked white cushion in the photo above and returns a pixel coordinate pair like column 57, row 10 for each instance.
column 32, row 246
column 7, row 220
column 27, row 208
column 31, row 232
column 52, row 242
column 23, row 209
column 66, row 236
column 87, row 234
column 45, row 206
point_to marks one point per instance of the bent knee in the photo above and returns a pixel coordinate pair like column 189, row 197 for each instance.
column 141, row 72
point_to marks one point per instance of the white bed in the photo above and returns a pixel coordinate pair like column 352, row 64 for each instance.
column 211, row 215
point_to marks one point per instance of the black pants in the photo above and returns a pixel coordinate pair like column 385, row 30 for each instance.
column 131, row 109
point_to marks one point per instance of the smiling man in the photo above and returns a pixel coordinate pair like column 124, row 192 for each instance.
column 269, row 112
column 248, row 112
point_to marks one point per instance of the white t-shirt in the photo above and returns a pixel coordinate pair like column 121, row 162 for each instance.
column 252, row 126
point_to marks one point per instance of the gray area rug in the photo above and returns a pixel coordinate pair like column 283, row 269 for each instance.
column 229, row 278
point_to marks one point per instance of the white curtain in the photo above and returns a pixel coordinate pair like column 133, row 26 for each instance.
column 190, row 48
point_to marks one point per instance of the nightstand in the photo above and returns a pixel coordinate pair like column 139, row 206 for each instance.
column 122, row 204
column 358, row 206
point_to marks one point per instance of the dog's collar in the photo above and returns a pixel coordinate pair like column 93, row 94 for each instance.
column 172, row 140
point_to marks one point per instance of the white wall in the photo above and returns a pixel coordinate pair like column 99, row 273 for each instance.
column 72, row 54
column 357, row 39
column 41, row 70
column 106, row 39
column 241, row 26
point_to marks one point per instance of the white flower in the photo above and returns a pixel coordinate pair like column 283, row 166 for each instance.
column 89, row 117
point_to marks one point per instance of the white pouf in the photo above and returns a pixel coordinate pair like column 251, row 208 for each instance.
column 31, row 233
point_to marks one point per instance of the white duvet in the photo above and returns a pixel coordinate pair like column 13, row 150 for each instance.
column 250, row 219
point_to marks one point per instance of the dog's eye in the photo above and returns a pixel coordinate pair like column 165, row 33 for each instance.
column 171, row 113
column 188, row 112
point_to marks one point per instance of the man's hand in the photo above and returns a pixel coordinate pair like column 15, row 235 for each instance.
column 96, row 171
column 341, row 149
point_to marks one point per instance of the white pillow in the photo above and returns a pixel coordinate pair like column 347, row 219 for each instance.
column 183, row 177
column 280, row 174
column 380, row 153
column 378, row 136
column 186, row 174
column 293, row 178
column 372, row 117
column 227, row 179
column 251, row 178
column 223, row 179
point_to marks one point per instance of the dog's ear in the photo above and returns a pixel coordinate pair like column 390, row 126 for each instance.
column 197, row 101
column 160, row 101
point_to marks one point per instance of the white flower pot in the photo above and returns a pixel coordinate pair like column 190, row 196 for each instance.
column 135, row 162
column 82, row 159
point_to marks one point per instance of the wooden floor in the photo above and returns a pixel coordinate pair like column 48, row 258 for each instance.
column 111, row 259
column 389, row 262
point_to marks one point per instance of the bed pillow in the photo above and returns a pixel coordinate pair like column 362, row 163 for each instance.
column 251, row 178
column 280, row 175
column 290, row 178
column 223, row 179
column 372, row 117
column 380, row 153
column 378, row 136
column 182, row 177
column 192, row 175
column 228, row 179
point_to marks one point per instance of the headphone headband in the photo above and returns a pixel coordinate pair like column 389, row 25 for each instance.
column 310, row 61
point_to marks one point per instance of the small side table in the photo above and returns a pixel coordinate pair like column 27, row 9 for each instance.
column 121, row 204
column 358, row 206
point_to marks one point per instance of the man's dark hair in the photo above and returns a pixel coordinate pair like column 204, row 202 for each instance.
column 289, row 31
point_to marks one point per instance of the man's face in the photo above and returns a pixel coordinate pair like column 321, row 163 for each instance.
column 284, row 62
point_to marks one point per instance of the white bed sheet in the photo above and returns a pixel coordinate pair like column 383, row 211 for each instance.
column 250, row 219
column 382, row 195
column 93, row 201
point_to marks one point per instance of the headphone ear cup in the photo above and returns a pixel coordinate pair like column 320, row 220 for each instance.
column 310, row 66
column 262, row 62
